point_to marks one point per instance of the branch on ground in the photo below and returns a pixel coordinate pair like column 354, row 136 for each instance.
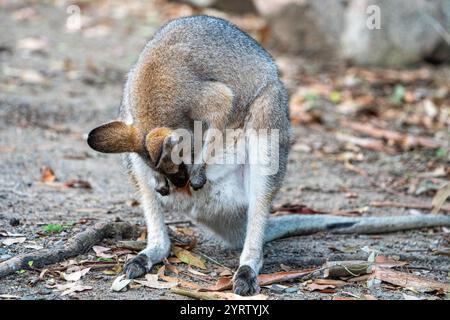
column 79, row 244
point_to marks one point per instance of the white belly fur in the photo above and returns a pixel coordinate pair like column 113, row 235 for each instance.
column 220, row 206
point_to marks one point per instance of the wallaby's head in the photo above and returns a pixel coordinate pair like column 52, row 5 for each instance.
column 155, row 147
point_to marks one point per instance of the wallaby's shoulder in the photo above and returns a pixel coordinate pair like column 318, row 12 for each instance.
column 204, row 33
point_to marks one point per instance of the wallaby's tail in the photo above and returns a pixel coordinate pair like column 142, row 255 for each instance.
column 296, row 225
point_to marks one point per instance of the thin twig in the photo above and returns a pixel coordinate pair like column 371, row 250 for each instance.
column 215, row 261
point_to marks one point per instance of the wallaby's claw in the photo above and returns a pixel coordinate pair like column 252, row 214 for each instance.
column 163, row 190
column 137, row 267
column 245, row 282
column 197, row 182
column 162, row 185
column 198, row 177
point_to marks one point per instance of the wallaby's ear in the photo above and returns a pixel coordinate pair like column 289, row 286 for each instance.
column 115, row 137
column 154, row 143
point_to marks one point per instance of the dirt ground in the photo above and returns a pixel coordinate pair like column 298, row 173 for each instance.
column 75, row 84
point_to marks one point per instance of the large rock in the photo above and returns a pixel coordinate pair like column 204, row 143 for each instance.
column 409, row 30
column 405, row 35
column 234, row 6
column 304, row 26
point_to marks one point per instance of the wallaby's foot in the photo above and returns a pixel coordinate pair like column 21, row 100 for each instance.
column 162, row 185
column 198, row 177
column 245, row 281
column 137, row 267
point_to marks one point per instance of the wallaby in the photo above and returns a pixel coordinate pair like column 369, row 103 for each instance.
column 202, row 69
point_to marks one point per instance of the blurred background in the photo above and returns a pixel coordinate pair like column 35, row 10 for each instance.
column 369, row 101
column 368, row 75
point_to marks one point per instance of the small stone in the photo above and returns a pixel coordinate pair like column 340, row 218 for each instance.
column 14, row 222
column 45, row 291
column 291, row 290
column 5, row 257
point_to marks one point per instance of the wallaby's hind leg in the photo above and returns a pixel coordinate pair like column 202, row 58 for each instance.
column 267, row 157
column 158, row 243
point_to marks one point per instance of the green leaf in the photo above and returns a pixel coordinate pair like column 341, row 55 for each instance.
column 105, row 259
column 441, row 153
column 30, row 263
column 56, row 228
column 335, row 96
column 21, row 271
column 311, row 97
column 399, row 93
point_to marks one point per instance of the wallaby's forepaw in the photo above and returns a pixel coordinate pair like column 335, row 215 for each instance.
column 197, row 182
column 137, row 267
column 163, row 190
column 198, row 177
column 162, row 185
column 245, row 281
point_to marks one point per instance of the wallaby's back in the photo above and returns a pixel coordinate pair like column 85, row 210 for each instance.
column 168, row 78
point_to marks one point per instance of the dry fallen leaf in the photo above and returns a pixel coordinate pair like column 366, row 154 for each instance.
column 42, row 274
column 120, row 283
column 388, row 262
column 282, row 276
column 24, row 14
column 170, row 267
column 7, row 149
column 440, row 197
column 28, row 76
column 115, row 270
column 197, row 273
column 142, row 236
column 72, row 287
column 223, row 283
column 174, row 260
column 410, row 297
column 32, row 44
column 11, row 234
column 187, row 257
column 226, row 273
column 100, row 252
column 33, row 246
column 368, row 297
column 410, row 281
column 319, row 287
column 75, row 276
column 47, row 174
column 226, row 283
column 9, row 297
column 78, row 184
column 11, row 241
column 181, row 282
column 151, row 281
column 185, row 231
column 294, row 209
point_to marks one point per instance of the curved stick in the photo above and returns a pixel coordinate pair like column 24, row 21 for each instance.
column 79, row 244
